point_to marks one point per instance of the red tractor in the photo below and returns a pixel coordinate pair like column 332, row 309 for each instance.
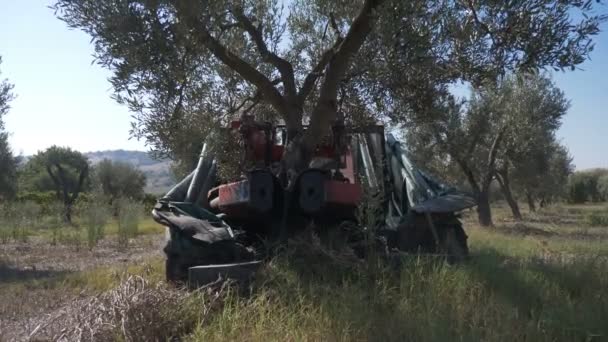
column 213, row 222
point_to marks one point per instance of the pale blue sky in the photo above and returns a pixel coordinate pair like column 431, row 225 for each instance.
column 63, row 99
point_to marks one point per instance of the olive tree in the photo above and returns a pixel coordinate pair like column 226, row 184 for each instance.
column 68, row 170
column 119, row 180
column 186, row 67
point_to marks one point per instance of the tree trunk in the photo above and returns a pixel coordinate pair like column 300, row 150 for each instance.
column 68, row 213
column 543, row 202
column 531, row 204
column 484, row 212
column 505, row 185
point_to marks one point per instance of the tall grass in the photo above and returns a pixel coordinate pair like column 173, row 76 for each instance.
column 17, row 220
column 492, row 298
column 95, row 216
column 129, row 215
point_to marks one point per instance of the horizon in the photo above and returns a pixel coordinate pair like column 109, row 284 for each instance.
column 64, row 99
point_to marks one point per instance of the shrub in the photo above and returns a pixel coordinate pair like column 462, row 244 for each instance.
column 597, row 219
column 590, row 185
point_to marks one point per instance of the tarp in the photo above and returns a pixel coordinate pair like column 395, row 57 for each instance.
column 425, row 193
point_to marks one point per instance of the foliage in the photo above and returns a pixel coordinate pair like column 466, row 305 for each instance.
column 588, row 185
column 597, row 219
column 186, row 68
column 602, row 186
column 498, row 132
column 119, row 179
column 8, row 162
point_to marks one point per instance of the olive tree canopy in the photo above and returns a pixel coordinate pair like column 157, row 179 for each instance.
column 186, row 67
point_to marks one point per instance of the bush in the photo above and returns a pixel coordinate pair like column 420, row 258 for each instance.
column 591, row 185
column 597, row 219
column 149, row 201
column 42, row 198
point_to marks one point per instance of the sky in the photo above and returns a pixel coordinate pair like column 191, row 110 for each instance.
column 63, row 99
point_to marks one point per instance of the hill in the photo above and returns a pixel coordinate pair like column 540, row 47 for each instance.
column 158, row 172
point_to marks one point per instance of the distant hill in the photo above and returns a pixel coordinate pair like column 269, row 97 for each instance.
column 158, row 173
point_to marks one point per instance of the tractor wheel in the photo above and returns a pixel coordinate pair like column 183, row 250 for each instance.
column 454, row 243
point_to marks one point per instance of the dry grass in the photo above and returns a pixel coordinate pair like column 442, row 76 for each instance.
column 135, row 310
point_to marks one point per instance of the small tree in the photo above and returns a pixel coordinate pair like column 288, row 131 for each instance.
column 68, row 170
column 116, row 180
column 8, row 163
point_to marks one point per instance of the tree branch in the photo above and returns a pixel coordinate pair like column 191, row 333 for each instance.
column 334, row 25
column 325, row 109
column 244, row 69
column 81, row 178
column 285, row 68
column 55, row 181
column 311, row 78
column 492, row 157
column 478, row 21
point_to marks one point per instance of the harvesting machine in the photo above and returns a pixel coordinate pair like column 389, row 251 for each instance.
column 217, row 226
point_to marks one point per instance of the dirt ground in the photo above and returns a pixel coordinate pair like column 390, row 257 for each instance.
column 32, row 275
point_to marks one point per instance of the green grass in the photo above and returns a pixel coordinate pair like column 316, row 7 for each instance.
column 147, row 226
column 547, row 285
column 502, row 294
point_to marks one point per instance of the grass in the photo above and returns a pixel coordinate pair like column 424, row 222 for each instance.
column 543, row 279
column 68, row 235
column 502, row 294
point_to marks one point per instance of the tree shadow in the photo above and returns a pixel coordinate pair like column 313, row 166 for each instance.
column 559, row 295
column 526, row 285
column 520, row 228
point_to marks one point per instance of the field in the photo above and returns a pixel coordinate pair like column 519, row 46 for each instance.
column 542, row 279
